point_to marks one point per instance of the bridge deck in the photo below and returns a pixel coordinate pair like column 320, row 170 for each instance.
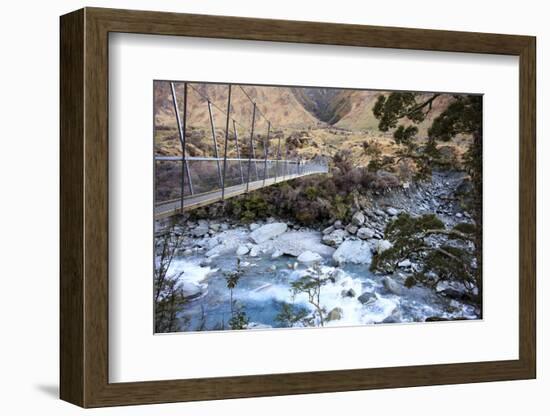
column 172, row 207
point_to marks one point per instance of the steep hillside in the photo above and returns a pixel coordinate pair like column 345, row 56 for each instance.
column 278, row 104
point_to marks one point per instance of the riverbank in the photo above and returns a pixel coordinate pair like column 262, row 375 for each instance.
column 274, row 253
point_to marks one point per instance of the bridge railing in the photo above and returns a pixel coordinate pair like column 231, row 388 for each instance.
column 203, row 175
column 247, row 153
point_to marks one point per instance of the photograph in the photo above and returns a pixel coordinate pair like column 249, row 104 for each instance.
column 309, row 207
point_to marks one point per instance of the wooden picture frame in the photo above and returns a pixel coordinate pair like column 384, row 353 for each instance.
column 84, row 207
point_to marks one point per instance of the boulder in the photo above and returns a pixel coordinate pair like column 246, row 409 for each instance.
column 382, row 246
column 328, row 230
column 358, row 219
column 350, row 293
column 267, row 232
column 335, row 314
column 352, row 229
column 335, row 238
column 254, row 226
column 337, row 224
column 254, row 251
column 294, row 243
column 356, row 252
column 276, row 254
column 392, row 286
column 242, row 250
column 365, row 233
column 367, row 297
column 200, row 231
column 392, row 211
column 309, row 257
column 405, row 264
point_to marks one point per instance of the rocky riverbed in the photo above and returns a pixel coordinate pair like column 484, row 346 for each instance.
column 273, row 253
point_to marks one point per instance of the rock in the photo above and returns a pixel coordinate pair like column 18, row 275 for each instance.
column 404, row 264
column 272, row 268
column 242, row 250
column 328, row 230
column 392, row 286
column 365, row 233
column 335, row 238
column 294, row 243
column 254, row 251
column 392, row 211
column 352, row 229
column 335, row 314
column 379, row 212
column 382, row 246
column 215, row 227
column 367, row 297
column 357, row 252
column 224, row 226
column 395, row 317
column 350, row 293
column 358, row 219
column 200, row 231
column 276, row 254
column 192, row 290
column 268, row 231
column 187, row 252
column 205, row 262
column 458, row 215
column 254, row 226
column 337, row 224
column 309, row 257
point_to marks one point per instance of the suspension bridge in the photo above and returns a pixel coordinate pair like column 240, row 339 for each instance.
column 185, row 182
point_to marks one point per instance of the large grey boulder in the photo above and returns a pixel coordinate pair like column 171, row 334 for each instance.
column 335, row 314
column 294, row 243
column 367, row 297
column 309, row 257
column 392, row 211
column 392, row 286
column 357, row 252
column 200, row 231
column 358, row 219
column 335, row 238
column 365, row 233
column 267, row 232
column 382, row 246
column 242, row 250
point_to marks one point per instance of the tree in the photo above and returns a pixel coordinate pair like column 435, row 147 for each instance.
column 463, row 115
column 238, row 318
column 168, row 292
column 291, row 315
column 447, row 254
column 311, row 285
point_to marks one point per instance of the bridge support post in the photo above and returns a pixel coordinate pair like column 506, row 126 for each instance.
column 238, row 151
column 181, row 130
column 226, row 139
column 251, row 153
column 266, row 145
column 277, row 159
column 216, row 155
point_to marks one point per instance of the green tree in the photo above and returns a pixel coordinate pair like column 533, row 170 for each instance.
column 238, row 318
column 445, row 253
column 462, row 116
column 311, row 285
column 168, row 293
column 290, row 315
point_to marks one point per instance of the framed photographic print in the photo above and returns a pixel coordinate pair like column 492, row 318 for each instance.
column 260, row 207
